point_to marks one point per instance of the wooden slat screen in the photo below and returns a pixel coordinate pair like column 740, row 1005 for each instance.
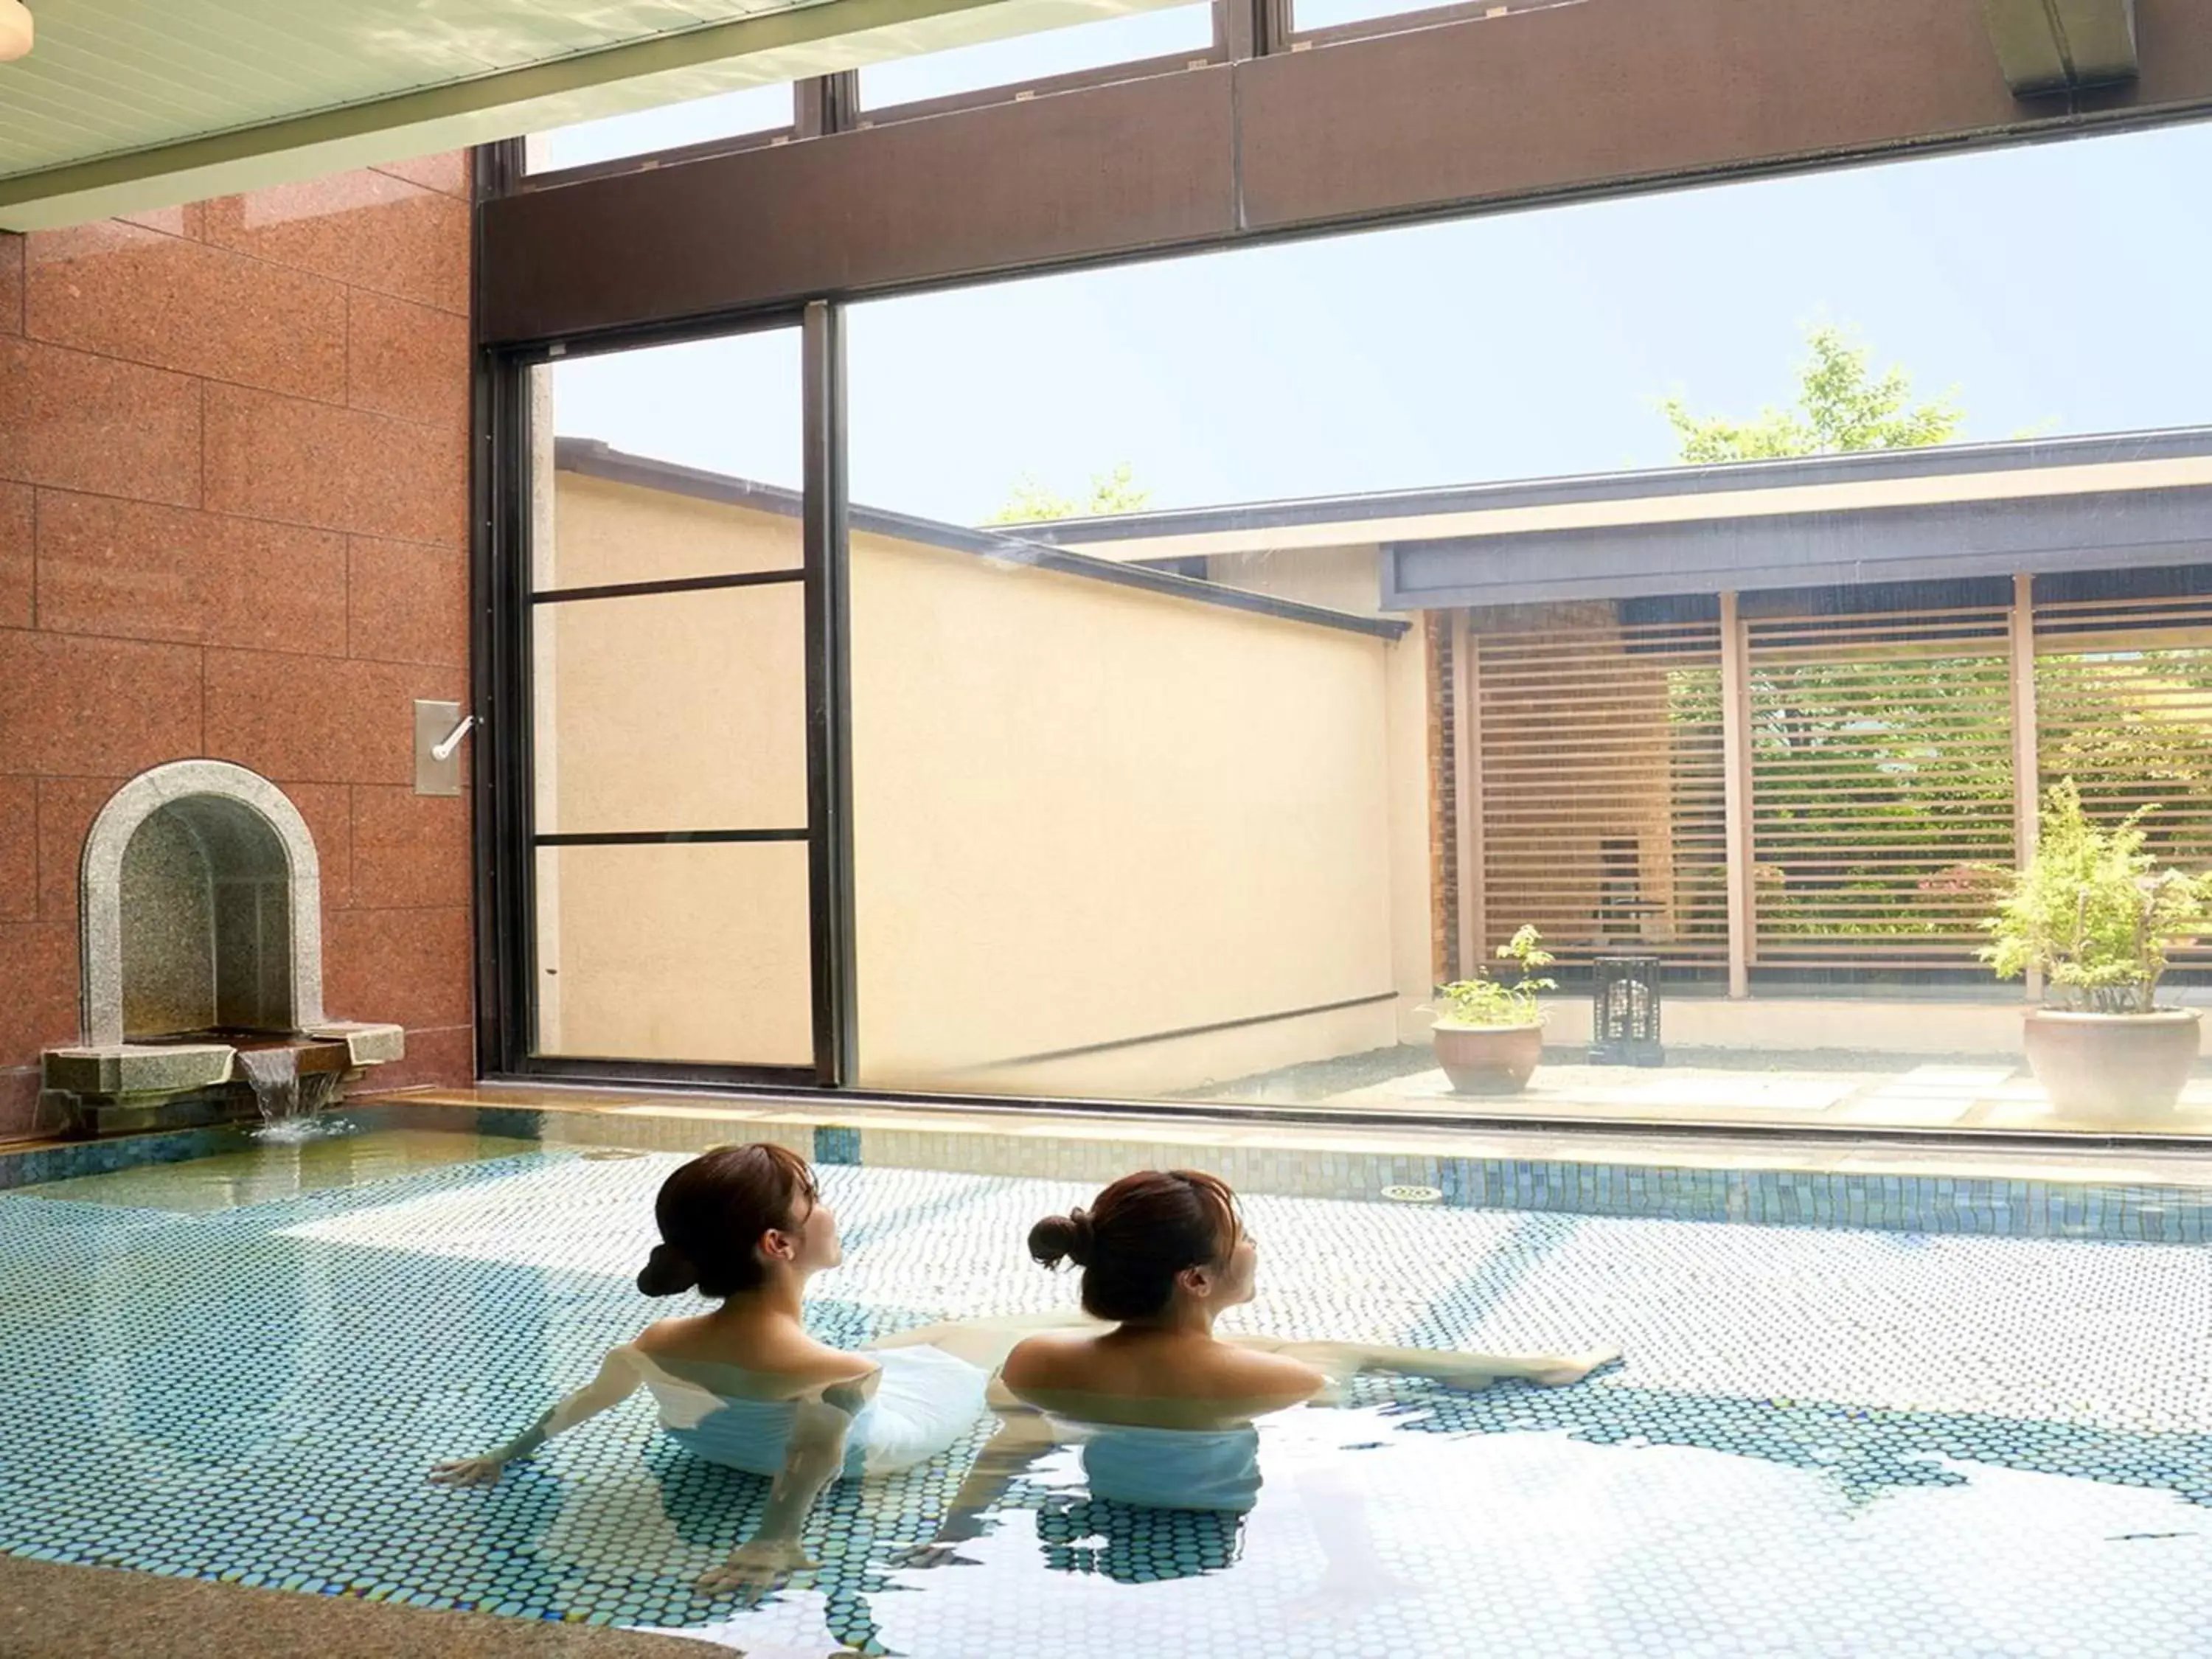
column 1600, row 781
column 1882, row 785
column 2124, row 706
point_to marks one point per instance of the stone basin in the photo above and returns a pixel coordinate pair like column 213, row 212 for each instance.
column 189, row 1078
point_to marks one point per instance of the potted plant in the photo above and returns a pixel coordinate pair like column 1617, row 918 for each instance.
column 2095, row 915
column 1489, row 1035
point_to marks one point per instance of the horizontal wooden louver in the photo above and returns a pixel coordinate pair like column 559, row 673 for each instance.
column 2123, row 706
column 1881, row 786
column 1599, row 774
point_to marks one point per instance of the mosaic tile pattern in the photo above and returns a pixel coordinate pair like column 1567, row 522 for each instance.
column 1821, row 1443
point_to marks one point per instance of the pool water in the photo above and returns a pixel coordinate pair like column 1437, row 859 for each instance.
column 1821, row 1442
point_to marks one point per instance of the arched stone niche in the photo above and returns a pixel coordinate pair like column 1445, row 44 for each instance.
column 200, row 907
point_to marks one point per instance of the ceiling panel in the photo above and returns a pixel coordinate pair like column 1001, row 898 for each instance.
column 127, row 106
column 112, row 76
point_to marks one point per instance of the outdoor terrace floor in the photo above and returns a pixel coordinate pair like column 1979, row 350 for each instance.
column 1825, row 1090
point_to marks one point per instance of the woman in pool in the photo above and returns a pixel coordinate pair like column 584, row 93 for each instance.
column 1167, row 1405
column 745, row 1385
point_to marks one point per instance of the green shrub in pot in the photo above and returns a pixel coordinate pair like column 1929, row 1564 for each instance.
column 1490, row 1035
column 2094, row 914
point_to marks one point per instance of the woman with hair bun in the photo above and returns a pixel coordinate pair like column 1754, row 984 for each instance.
column 1169, row 1404
column 745, row 1385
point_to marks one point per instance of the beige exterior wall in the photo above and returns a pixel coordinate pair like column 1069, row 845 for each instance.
column 618, row 532
column 671, row 711
column 1086, row 816
column 695, row 953
column 677, row 711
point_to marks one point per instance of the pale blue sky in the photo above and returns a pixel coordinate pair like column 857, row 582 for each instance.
column 2060, row 286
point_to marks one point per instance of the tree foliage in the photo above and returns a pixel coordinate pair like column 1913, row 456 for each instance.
column 1883, row 786
column 1883, row 776
column 1032, row 503
column 1841, row 405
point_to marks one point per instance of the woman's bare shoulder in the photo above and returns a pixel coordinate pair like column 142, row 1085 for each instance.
column 1050, row 1359
column 842, row 1364
column 790, row 1356
column 1068, row 1362
column 666, row 1335
column 1250, row 1373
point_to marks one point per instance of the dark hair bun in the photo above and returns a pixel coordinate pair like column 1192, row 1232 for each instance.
column 711, row 1213
column 1138, row 1236
column 1059, row 1238
column 668, row 1272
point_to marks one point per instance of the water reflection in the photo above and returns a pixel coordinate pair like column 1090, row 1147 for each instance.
column 254, row 1392
column 1134, row 1545
column 1407, row 1543
column 1585, row 1520
column 281, row 1161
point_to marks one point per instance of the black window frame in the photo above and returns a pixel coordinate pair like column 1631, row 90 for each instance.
column 505, row 606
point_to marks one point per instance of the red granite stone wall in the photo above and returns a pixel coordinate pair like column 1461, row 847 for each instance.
column 233, row 523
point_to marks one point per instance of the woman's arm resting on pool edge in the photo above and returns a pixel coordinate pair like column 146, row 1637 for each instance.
column 616, row 1380
column 1339, row 1360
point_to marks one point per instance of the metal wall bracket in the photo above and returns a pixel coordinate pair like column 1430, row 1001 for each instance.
column 439, row 729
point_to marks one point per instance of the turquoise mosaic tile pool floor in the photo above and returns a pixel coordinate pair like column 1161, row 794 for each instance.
column 1820, row 1443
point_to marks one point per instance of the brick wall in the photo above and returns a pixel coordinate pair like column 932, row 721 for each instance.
column 233, row 523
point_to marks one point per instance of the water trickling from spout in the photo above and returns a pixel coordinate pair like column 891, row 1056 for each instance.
column 273, row 1075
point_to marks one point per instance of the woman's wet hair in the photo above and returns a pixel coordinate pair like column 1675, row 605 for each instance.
column 1137, row 1235
column 713, row 1211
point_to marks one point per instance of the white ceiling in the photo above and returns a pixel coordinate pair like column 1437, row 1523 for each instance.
column 126, row 105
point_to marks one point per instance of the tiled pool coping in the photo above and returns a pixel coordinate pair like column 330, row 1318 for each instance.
column 2009, row 1206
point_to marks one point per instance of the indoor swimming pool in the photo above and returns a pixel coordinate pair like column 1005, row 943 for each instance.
column 1991, row 1439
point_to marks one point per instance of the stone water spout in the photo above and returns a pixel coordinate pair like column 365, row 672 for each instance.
column 200, row 923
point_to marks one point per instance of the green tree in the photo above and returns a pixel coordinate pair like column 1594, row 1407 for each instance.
column 1872, row 795
column 1842, row 404
column 1032, row 503
column 1881, row 762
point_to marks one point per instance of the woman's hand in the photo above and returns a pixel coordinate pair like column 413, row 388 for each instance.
column 468, row 1472
column 756, row 1566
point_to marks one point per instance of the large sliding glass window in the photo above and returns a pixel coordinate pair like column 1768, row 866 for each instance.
column 1230, row 652
column 669, row 729
column 1276, row 654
